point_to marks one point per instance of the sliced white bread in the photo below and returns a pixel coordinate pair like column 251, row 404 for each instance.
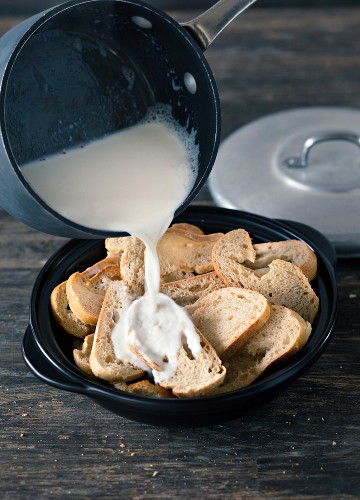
column 145, row 388
column 64, row 315
column 295, row 251
column 86, row 295
column 283, row 284
column 187, row 251
column 188, row 291
column 103, row 361
column 196, row 376
column 185, row 226
column 180, row 254
column 82, row 356
column 282, row 336
column 228, row 317
column 116, row 246
column 110, row 260
column 132, row 265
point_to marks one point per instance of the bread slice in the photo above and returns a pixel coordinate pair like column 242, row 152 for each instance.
column 116, row 246
column 282, row 336
column 284, row 283
column 180, row 254
column 103, row 361
column 228, row 317
column 185, row 226
column 188, row 291
column 235, row 245
column 196, row 376
column 145, row 388
column 82, row 356
column 187, row 251
column 86, row 295
column 132, row 265
column 64, row 315
column 111, row 260
column 295, row 251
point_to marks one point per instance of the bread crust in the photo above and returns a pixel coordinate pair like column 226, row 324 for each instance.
column 64, row 316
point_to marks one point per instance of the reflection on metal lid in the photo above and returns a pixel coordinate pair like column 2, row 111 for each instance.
column 301, row 164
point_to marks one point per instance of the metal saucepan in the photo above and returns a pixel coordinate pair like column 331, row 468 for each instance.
column 65, row 80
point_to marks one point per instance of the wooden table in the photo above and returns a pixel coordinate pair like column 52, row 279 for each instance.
column 305, row 443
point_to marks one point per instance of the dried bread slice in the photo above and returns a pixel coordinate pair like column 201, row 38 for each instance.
column 284, row 283
column 103, row 361
column 187, row 251
column 116, row 246
column 64, row 315
column 145, row 388
column 86, row 295
column 82, row 356
column 282, row 336
column 188, row 291
column 180, row 254
column 228, row 317
column 186, row 226
column 196, row 376
column 295, row 251
column 110, row 260
column 180, row 357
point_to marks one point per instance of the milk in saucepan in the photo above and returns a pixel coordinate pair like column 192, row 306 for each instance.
column 131, row 181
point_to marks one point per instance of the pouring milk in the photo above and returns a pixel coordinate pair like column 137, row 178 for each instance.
column 131, row 181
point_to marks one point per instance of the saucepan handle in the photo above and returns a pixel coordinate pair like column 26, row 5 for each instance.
column 208, row 25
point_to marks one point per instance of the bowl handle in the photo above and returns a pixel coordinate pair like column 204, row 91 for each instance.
column 43, row 369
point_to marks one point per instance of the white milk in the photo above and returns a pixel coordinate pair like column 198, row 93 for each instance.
column 131, row 181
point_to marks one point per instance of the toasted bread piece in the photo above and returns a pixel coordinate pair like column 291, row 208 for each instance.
column 284, row 283
column 116, row 246
column 110, row 260
column 103, row 361
column 180, row 253
column 188, row 291
column 228, row 317
column 295, row 251
column 196, row 376
column 82, row 356
column 86, row 296
column 235, row 245
column 282, row 336
column 185, row 226
column 187, row 251
column 146, row 388
column 64, row 315
column 132, row 265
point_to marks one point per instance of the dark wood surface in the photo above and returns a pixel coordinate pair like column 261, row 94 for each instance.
column 306, row 442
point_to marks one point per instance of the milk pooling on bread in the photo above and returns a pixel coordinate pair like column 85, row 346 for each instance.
column 130, row 181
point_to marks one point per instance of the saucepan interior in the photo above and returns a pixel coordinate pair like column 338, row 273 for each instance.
column 48, row 350
column 87, row 69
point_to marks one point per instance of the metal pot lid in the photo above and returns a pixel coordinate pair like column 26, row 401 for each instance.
column 301, row 165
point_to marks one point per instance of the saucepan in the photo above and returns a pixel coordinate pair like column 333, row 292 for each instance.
column 88, row 68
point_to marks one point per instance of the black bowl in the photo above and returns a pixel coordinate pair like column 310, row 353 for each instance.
column 47, row 350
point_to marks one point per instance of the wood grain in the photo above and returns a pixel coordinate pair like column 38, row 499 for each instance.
column 304, row 444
